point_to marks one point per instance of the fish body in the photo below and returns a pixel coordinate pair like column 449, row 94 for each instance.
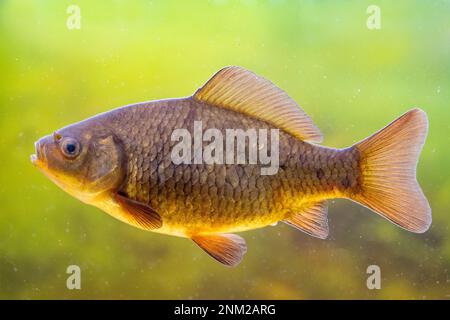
column 198, row 198
column 124, row 165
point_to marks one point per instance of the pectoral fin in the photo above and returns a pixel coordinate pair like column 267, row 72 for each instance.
column 312, row 219
column 139, row 214
column 228, row 249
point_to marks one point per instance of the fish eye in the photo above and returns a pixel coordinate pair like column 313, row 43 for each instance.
column 70, row 147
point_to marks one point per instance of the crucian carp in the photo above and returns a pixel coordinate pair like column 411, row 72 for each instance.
column 123, row 162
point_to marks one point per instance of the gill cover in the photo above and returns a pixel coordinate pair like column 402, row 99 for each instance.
column 105, row 168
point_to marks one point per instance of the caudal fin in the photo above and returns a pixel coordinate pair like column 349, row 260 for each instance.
column 388, row 162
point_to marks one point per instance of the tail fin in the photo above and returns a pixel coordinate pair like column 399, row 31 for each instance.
column 388, row 162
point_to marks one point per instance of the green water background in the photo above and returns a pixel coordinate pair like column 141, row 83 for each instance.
column 351, row 80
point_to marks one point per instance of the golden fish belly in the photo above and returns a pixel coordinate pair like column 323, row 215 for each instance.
column 201, row 198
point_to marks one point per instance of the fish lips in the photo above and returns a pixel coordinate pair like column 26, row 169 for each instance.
column 38, row 159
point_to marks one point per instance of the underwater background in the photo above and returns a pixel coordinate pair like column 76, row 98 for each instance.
column 351, row 79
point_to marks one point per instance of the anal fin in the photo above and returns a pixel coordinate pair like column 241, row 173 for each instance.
column 228, row 249
column 312, row 219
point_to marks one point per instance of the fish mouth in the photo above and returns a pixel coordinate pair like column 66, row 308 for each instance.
column 38, row 158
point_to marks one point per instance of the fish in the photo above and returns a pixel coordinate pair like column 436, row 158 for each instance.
column 122, row 162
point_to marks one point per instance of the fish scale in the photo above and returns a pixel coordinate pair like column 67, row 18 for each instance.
column 227, row 193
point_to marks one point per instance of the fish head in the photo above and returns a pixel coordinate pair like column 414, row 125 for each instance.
column 85, row 159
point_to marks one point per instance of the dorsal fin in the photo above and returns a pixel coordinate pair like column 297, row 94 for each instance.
column 241, row 90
